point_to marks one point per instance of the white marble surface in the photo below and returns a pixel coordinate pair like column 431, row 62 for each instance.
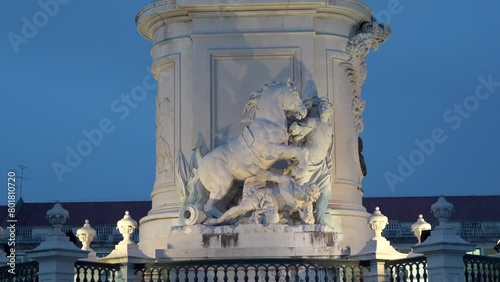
column 251, row 240
column 207, row 56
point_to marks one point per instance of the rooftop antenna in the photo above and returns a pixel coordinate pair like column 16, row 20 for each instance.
column 21, row 182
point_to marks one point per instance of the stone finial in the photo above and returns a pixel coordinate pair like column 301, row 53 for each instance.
column 378, row 222
column 126, row 226
column 419, row 226
column 86, row 235
column 442, row 210
column 57, row 216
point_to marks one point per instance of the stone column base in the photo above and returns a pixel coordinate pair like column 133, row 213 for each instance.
column 353, row 226
column 153, row 231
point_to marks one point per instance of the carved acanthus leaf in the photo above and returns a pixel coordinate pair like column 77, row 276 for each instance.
column 369, row 36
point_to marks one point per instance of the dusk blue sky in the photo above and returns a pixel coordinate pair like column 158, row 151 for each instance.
column 64, row 79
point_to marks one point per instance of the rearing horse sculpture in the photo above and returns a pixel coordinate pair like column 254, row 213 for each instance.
column 262, row 143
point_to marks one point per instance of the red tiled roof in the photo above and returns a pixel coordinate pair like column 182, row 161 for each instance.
column 467, row 208
column 98, row 213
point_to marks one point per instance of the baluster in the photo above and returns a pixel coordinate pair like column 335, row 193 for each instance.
column 152, row 275
column 334, row 274
column 287, row 272
column 205, row 274
column 186, row 274
column 216, row 273
column 480, row 271
column 225, row 278
column 467, row 265
column 306, row 270
column 236, row 272
column 245, row 278
column 195, row 270
column 316, row 272
column 410, row 270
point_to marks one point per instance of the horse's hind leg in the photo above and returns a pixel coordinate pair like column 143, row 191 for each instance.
column 218, row 192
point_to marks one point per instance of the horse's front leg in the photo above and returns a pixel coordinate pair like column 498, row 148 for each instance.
column 285, row 152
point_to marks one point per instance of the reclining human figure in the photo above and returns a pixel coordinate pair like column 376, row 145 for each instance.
column 269, row 203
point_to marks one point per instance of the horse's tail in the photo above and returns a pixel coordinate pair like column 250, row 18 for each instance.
column 189, row 186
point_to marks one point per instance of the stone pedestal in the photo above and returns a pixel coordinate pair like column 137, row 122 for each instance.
column 377, row 250
column 444, row 249
column 209, row 55
column 351, row 223
column 126, row 252
column 445, row 260
column 251, row 241
column 127, row 255
column 56, row 258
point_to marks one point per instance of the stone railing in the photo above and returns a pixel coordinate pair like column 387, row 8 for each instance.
column 481, row 268
column 253, row 270
column 408, row 269
column 26, row 271
column 86, row 271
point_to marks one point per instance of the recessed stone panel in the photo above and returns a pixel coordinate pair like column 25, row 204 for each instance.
column 234, row 74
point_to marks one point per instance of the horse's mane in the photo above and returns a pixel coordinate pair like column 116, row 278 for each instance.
column 252, row 105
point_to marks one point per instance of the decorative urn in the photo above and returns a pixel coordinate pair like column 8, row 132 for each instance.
column 442, row 210
column 86, row 235
column 57, row 216
column 378, row 222
column 126, row 226
column 419, row 226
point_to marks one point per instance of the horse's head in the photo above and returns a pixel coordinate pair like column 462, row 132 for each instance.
column 292, row 101
column 284, row 95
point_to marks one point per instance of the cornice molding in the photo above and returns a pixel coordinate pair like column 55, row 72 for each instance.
column 157, row 14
